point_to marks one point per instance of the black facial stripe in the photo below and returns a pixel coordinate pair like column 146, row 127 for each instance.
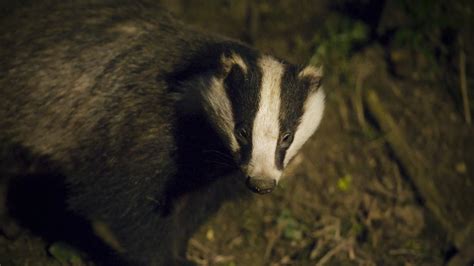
column 293, row 96
column 280, row 157
column 243, row 91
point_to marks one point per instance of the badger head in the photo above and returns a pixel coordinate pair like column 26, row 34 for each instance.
column 265, row 110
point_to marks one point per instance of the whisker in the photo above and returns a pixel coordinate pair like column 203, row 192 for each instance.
column 220, row 163
column 219, row 153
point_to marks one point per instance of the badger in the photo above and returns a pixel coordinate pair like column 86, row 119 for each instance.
column 150, row 122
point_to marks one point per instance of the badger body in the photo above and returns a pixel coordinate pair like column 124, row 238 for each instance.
column 151, row 123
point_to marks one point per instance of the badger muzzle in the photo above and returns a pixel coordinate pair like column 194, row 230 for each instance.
column 260, row 185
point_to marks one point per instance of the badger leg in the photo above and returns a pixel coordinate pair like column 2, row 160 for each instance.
column 127, row 193
column 143, row 233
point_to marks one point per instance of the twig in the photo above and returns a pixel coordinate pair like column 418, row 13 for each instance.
column 271, row 243
column 317, row 249
column 344, row 113
column 358, row 103
column 402, row 252
column 463, row 82
column 340, row 247
column 104, row 232
column 330, row 229
column 415, row 167
column 222, row 259
column 251, row 21
column 199, row 246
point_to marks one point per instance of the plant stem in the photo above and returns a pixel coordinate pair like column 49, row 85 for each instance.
column 463, row 82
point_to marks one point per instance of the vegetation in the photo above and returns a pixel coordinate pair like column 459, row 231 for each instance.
column 351, row 197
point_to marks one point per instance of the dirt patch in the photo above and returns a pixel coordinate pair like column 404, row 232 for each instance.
column 345, row 200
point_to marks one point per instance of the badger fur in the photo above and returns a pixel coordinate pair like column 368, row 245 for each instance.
column 150, row 122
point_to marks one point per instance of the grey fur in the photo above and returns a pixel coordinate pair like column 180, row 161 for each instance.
column 89, row 87
column 97, row 89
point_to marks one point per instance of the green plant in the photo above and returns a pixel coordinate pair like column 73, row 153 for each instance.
column 337, row 39
column 429, row 21
column 291, row 228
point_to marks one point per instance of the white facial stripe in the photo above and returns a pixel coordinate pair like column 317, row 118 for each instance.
column 266, row 124
column 233, row 59
column 217, row 104
column 313, row 112
column 311, row 71
column 219, row 107
column 239, row 61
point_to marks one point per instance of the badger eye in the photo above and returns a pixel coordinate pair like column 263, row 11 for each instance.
column 286, row 140
column 242, row 135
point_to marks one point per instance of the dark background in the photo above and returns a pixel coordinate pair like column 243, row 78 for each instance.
column 386, row 180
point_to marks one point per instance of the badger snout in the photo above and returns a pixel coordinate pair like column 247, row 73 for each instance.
column 261, row 185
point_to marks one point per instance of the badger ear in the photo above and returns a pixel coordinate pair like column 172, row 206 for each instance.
column 229, row 60
column 313, row 75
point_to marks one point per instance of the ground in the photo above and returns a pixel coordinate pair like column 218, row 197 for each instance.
column 347, row 198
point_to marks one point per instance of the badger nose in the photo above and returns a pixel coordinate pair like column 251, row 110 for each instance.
column 261, row 185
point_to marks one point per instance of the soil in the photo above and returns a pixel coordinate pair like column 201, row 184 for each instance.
column 345, row 199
